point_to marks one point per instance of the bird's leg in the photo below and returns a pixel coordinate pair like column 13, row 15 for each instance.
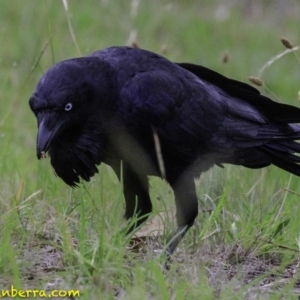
column 137, row 199
column 186, row 210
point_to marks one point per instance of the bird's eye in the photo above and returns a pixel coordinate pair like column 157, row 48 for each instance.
column 68, row 106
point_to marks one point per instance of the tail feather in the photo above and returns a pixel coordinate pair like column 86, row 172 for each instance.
column 288, row 147
column 278, row 142
column 285, row 160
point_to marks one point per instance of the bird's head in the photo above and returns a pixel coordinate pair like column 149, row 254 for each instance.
column 71, row 102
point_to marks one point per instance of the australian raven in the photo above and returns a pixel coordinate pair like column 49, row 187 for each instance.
column 108, row 107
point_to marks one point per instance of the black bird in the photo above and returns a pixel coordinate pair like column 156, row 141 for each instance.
column 108, row 107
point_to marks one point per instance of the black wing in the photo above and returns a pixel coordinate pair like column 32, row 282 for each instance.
column 202, row 115
column 199, row 113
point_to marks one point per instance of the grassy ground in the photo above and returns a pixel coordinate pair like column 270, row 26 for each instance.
column 245, row 244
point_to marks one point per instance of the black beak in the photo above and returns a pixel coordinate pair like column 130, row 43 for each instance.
column 45, row 136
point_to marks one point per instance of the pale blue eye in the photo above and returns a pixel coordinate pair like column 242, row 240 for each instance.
column 68, row 106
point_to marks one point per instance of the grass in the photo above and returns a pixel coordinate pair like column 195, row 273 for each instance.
column 245, row 242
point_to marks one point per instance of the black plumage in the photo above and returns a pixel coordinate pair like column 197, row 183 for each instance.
column 105, row 107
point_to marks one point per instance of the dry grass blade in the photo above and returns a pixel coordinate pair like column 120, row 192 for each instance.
column 284, row 199
column 25, row 82
column 38, row 58
column 259, row 180
column 19, row 205
column 65, row 3
column 159, row 153
column 275, row 58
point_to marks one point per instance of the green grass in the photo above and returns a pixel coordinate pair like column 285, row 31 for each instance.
column 49, row 231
